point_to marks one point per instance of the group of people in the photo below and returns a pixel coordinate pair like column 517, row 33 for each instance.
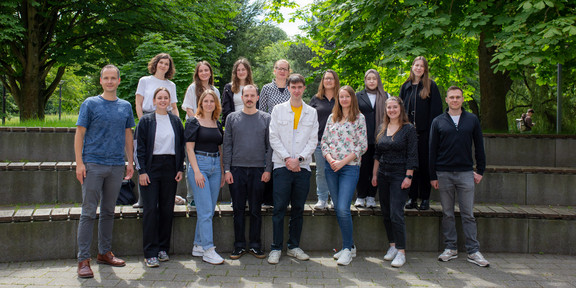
column 366, row 142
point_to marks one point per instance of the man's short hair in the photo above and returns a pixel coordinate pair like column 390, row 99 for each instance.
column 110, row 66
column 296, row 78
column 454, row 88
column 530, row 110
column 250, row 86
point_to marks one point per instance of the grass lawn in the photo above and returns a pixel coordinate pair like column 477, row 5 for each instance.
column 68, row 120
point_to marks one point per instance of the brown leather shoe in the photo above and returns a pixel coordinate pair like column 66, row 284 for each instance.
column 84, row 270
column 110, row 259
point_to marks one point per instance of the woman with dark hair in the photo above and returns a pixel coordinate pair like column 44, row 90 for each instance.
column 323, row 102
column 161, row 155
column 372, row 103
column 343, row 143
column 204, row 137
column 203, row 80
column 162, row 69
column 395, row 159
column 423, row 103
column 232, row 94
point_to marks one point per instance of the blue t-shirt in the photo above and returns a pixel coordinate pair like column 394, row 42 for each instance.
column 105, row 122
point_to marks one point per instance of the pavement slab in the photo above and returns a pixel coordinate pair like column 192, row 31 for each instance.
column 368, row 269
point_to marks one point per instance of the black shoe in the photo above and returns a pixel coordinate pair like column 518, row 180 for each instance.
column 257, row 252
column 425, row 205
column 411, row 204
column 237, row 253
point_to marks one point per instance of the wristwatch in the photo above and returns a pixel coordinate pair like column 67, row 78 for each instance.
column 409, row 176
column 301, row 159
column 227, row 171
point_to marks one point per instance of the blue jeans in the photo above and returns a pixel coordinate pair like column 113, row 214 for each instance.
column 451, row 184
column 392, row 201
column 101, row 186
column 205, row 198
column 289, row 188
column 342, row 185
column 321, row 185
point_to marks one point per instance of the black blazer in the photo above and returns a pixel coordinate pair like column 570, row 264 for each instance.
column 146, row 134
column 369, row 114
column 426, row 109
column 227, row 102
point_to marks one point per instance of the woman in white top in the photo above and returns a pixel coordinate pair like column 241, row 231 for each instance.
column 203, row 80
column 232, row 94
column 162, row 69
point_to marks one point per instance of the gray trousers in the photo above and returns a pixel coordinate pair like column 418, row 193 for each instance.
column 101, row 185
column 460, row 184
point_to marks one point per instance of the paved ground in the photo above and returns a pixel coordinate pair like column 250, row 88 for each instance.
column 368, row 269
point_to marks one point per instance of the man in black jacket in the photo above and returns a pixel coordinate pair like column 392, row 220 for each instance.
column 451, row 172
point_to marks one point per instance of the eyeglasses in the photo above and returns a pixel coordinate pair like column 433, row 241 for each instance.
column 328, row 79
column 281, row 69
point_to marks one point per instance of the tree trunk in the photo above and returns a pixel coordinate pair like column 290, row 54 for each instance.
column 493, row 90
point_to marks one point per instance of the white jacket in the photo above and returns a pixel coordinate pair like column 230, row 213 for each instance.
column 287, row 142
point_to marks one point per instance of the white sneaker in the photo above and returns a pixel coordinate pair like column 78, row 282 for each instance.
column 370, row 202
column 321, row 205
column 345, row 257
column 274, row 256
column 352, row 251
column 212, row 257
column 298, row 254
column 399, row 260
column 391, row 254
column 448, row 255
column 360, row 202
column 478, row 259
column 197, row 251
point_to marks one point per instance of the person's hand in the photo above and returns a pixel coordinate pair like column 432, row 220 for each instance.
column 80, row 172
column 229, row 178
column 143, row 179
column 179, row 176
column 336, row 165
column 477, row 178
column 129, row 171
column 293, row 164
column 265, row 177
column 406, row 183
column 374, row 181
column 434, row 184
column 199, row 179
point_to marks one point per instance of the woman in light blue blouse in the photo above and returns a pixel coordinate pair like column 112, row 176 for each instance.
column 343, row 143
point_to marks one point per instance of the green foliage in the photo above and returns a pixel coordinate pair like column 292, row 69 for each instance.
column 184, row 61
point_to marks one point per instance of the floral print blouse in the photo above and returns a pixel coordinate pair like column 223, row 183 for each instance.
column 342, row 138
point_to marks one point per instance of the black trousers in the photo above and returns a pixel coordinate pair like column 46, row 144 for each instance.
column 158, row 201
column 247, row 186
column 421, row 187
column 364, row 187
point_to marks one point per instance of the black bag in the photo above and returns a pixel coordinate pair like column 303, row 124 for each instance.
column 126, row 195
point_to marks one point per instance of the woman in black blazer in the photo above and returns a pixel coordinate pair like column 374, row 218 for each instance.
column 161, row 155
column 423, row 103
column 372, row 104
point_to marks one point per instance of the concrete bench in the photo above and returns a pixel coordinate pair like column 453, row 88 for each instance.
column 50, row 232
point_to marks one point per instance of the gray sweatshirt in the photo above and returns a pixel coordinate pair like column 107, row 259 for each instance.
column 246, row 142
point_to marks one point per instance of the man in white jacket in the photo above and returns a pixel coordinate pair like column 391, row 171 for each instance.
column 293, row 137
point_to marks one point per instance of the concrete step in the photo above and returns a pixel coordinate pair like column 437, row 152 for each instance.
column 501, row 228
column 55, row 182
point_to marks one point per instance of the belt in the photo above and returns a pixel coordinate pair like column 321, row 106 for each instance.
column 209, row 154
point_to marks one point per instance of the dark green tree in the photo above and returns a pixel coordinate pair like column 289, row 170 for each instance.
column 39, row 36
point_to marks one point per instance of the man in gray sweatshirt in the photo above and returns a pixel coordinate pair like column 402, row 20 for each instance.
column 248, row 165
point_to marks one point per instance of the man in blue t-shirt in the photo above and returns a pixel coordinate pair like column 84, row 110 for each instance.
column 103, row 137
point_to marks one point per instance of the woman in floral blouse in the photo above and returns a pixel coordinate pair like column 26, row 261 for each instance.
column 343, row 143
